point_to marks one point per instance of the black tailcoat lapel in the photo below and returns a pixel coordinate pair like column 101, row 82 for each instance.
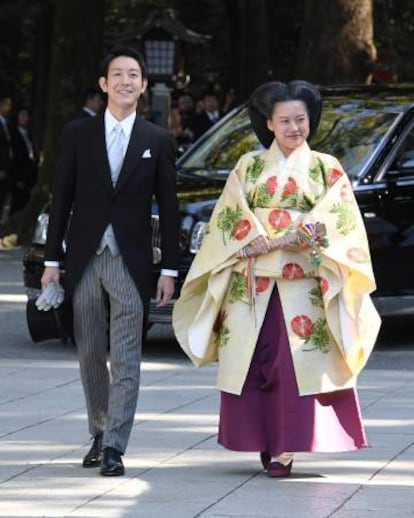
column 98, row 145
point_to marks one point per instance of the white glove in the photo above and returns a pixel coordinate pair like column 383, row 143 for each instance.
column 51, row 297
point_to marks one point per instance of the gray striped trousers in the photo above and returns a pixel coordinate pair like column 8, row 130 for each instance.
column 108, row 312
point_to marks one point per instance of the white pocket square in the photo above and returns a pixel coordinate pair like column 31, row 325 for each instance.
column 146, row 153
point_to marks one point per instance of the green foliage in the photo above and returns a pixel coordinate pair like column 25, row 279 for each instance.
column 318, row 173
column 227, row 219
column 238, row 289
column 394, row 31
column 346, row 220
column 262, row 196
column 315, row 297
column 306, row 202
column 319, row 338
column 255, row 168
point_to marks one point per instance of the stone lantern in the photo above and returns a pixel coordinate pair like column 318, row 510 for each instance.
column 163, row 40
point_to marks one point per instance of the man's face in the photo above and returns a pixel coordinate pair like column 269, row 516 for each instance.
column 210, row 103
column 6, row 107
column 23, row 118
column 185, row 104
column 124, row 83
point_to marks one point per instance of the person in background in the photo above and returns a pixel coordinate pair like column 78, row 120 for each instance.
column 181, row 116
column 229, row 101
column 6, row 150
column 93, row 103
column 209, row 115
column 279, row 292
column 109, row 169
column 25, row 162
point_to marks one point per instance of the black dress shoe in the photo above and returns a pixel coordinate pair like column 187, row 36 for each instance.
column 94, row 456
column 111, row 464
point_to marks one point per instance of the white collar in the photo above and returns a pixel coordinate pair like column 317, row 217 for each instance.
column 213, row 115
column 89, row 111
column 127, row 123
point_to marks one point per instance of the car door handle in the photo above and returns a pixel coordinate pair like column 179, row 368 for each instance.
column 370, row 215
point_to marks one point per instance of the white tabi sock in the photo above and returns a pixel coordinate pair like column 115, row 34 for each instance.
column 284, row 458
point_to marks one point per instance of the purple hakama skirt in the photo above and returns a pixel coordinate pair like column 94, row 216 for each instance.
column 271, row 416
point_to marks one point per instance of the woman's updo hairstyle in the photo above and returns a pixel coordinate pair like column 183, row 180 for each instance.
column 262, row 102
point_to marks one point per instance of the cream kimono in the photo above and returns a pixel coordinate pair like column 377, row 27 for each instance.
column 331, row 322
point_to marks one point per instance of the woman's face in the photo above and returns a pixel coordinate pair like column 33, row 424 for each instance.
column 290, row 125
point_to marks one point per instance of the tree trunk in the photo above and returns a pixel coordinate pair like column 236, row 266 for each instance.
column 42, row 50
column 77, row 48
column 250, row 44
column 337, row 42
column 77, row 44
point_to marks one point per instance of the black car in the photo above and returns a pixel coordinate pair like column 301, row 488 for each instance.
column 369, row 129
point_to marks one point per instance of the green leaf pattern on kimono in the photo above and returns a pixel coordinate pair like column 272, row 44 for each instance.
column 315, row 297
column 220, row 330
column 346, row 220
column 238, row 289
column 260, row 197
column 255, row 168
column 319, row 338
column 318, row 173
column 227, row 221
column 306, row 202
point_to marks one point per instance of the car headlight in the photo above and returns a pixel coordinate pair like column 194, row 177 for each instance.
column 197, row 235
column 40, row 233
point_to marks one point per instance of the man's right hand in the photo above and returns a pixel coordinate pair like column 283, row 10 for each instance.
column 51, row 274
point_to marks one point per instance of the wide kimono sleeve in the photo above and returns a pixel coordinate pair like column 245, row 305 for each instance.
column 350, row 312
column 341, row 308
column 232, row 226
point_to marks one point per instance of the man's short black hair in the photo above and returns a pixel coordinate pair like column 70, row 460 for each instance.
column 129, row 52
column 5, row 95
column 90, row 93
column 209, row 93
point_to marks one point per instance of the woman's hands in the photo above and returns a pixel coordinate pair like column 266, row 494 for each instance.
column 263, row 245
column 312, row 235
column 259, row 246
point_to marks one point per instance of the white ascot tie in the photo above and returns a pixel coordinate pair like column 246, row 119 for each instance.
column 116, row 152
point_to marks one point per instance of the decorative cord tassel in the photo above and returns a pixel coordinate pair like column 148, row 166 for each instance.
column 251, row 285
column 314, row 236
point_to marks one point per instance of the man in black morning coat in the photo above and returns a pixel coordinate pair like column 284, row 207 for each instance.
column 110, row 167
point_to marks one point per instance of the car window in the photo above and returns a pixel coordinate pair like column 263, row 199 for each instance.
column 403, row 166
column 351, row 134
column 222, row 148
column 352, row 137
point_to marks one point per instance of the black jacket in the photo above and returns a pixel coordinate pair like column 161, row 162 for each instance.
column 82, row 182
column 5, row 146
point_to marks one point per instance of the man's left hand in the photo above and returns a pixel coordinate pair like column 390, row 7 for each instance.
column 165, row 290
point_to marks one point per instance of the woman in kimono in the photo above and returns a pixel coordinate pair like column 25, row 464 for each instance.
column 279, row 300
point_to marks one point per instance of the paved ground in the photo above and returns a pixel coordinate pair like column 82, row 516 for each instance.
column 174, row 466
